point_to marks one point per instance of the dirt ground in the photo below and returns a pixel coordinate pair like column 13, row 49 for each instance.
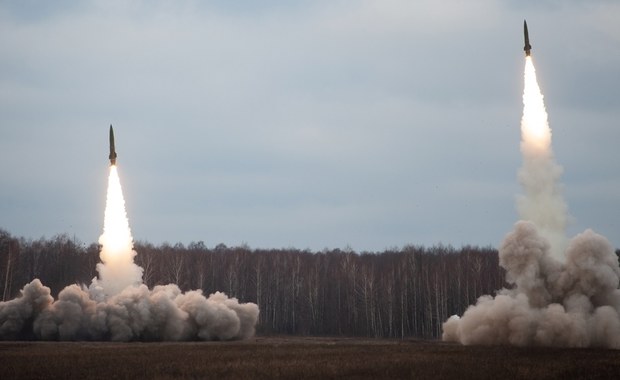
column 300, row 358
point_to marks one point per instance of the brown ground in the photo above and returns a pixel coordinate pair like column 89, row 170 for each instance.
column 300, row 358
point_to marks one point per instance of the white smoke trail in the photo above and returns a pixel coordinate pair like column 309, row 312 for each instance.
column 117, row 306
column 562, row 294
column 542, row 201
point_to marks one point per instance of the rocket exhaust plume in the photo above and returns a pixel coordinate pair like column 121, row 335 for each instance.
column 117, row 270
column 117, row 305
column 542, row 201
column 562, row 294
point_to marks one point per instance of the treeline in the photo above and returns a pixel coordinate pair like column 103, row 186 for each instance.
column 407, row 292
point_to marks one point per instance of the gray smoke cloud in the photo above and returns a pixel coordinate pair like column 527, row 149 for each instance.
column 136, row 313
column 570, row 304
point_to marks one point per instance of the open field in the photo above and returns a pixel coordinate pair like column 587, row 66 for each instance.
column 300, row 358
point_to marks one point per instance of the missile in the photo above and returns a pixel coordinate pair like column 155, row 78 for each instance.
column 527, row 46
column 112, row 155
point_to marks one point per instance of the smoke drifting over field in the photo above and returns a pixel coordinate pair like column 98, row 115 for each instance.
column 563, row 294
column 117, row 305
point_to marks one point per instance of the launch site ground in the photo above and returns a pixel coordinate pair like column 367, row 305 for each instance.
column 300, row 358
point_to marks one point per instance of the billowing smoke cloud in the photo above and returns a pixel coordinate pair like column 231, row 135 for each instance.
column 136, row 313
column 118, row 306
column 563, row 293
column 571, row 304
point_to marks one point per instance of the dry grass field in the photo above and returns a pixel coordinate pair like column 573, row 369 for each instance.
column 300, row 358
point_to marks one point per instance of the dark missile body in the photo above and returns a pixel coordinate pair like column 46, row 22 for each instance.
column 112, row 155
column 527, row 46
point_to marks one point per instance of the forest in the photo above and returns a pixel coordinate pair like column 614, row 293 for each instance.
column 395, row 293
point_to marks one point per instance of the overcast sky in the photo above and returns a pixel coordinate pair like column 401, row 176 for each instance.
column 306, row 124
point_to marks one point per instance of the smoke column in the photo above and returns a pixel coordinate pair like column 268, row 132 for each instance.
column 118, row 306
column 542, row 202
column 563, row 293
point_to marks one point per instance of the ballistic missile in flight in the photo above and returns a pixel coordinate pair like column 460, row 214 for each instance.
column 112, row 156
column 527, row 46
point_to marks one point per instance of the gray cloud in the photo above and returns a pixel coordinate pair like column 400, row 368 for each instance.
column 315, row 124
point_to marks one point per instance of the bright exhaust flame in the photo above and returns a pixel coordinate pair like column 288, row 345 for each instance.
column 117, row 270
column 116, row 239
column 561, row 294
column 535, row 130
